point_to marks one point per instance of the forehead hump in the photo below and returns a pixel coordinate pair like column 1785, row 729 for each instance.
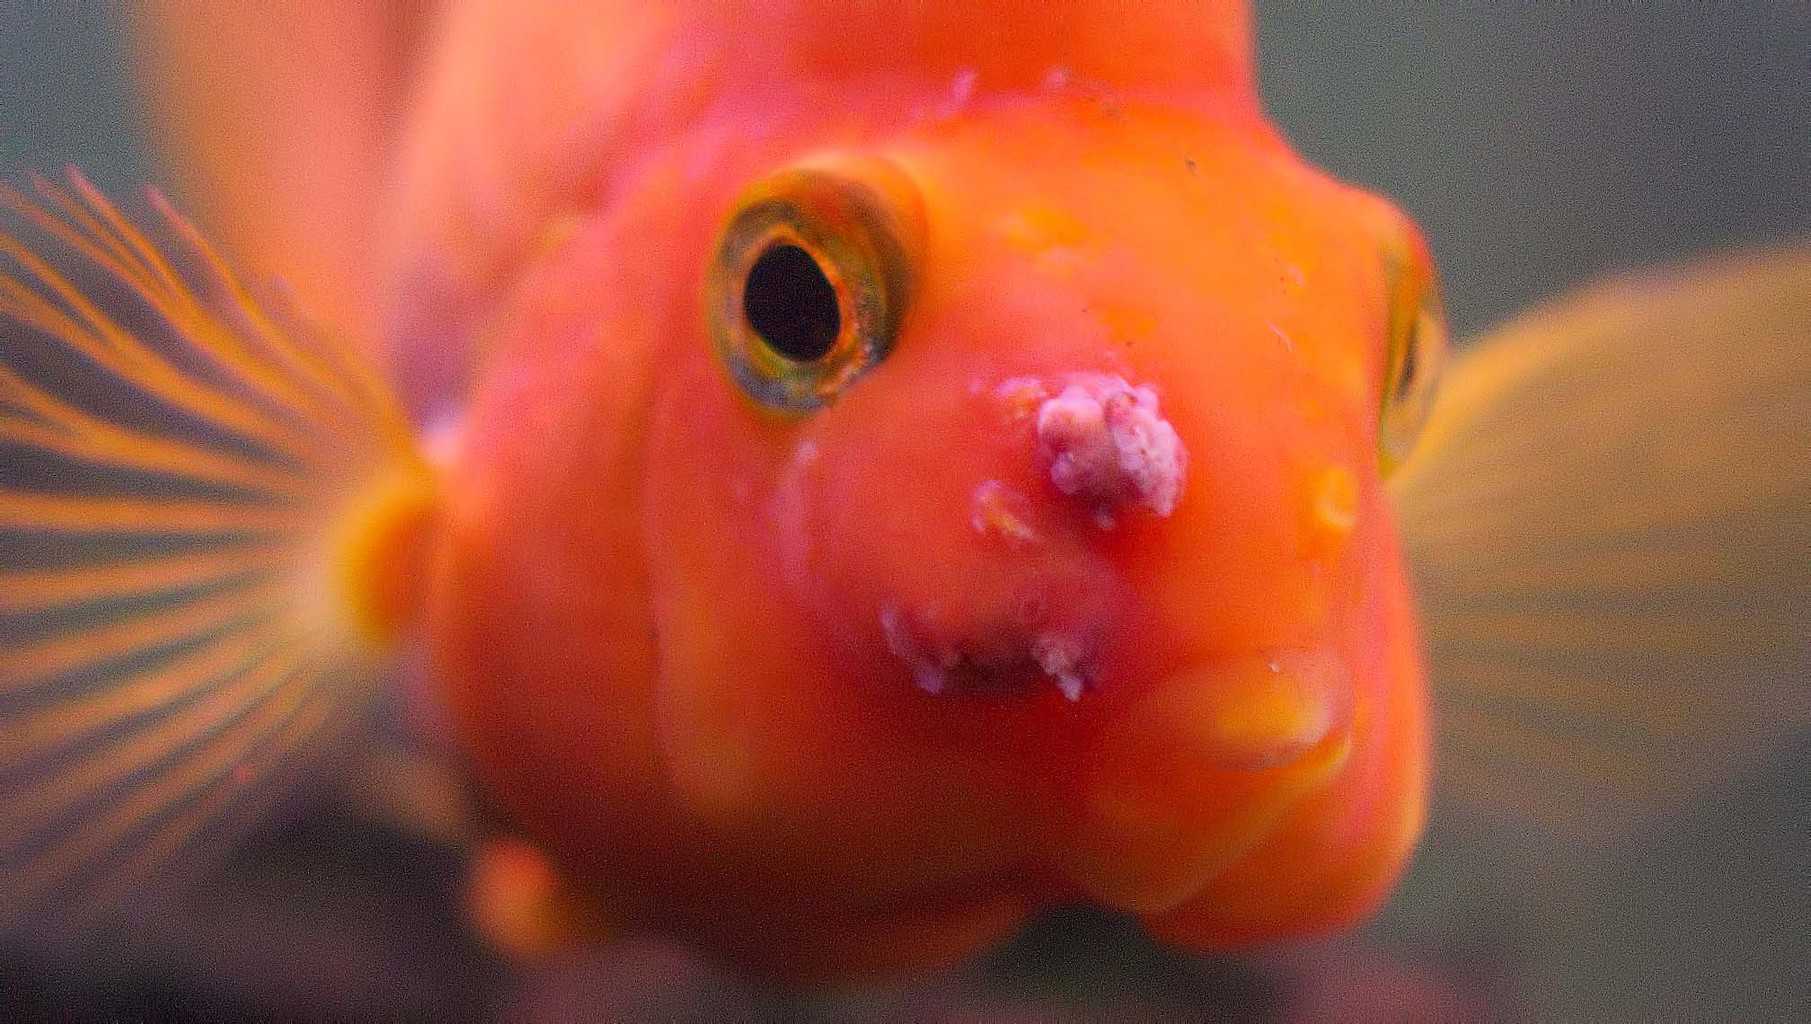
column 1175, row 45
column 527, row 110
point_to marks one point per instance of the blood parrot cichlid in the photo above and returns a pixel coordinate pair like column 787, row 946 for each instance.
column 850, row 476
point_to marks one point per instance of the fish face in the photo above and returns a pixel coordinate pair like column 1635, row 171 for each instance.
column 1003, row 522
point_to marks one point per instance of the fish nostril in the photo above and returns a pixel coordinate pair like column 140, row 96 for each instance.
column 1107, row 444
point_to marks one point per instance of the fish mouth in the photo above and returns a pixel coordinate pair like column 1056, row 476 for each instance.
column 1024, row 657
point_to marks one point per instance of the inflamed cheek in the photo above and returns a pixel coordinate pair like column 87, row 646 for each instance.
column 1200, row 767
column 974, row 553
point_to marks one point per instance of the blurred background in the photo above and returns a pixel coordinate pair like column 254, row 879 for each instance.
column 1539, row 146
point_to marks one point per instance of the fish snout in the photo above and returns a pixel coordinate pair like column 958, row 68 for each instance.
column 1044, row 602
column 991, row 547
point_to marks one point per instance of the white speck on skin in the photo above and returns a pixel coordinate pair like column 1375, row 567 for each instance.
column 1108, row 444
column 788, row 510
column 1060, row 658
column 927, row 673
column 899, row 639
column 1021, row 396
column 1283, row 336
column 962, row 88
column 443, row 437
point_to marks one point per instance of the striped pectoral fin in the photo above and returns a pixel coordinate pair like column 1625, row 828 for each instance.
column 206, row 514
column 1611, row 533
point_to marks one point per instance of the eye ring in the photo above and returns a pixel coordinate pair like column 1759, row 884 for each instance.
column 1414, row 362
column 807, row 288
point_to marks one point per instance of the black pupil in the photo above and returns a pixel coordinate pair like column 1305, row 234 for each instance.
column 791, row 304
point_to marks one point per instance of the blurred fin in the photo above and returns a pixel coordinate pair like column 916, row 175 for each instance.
column 1610, row 529
column 198, row 496
column 286, row 150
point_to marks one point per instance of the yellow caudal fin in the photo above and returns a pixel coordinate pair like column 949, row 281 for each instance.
column 204, row 505
column 1610, row 529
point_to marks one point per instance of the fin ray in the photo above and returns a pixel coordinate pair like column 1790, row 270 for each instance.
column 25, row 592
column 120, row 250
column 88, row 647
column 220, row 813
column 49, row 731
column 99, row 338
column 57, row 513
column 84, row 847
column 164, row 738
column 112, row 448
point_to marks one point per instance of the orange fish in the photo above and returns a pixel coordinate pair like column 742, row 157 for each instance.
column 852, row 476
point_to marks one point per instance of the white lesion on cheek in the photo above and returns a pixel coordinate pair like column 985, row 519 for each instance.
column 998, row 511
column 930, row 667
column 788, row 513
column 1108, row 444
column 1061, row 657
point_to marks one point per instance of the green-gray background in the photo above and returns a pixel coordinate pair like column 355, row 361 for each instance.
column 1539, row 144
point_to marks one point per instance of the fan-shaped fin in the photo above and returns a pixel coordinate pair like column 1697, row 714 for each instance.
column 184, row 473
column 1610, row 528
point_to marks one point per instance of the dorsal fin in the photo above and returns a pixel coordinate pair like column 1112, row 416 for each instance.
column 284, row 151
column 1610, row 529
column 188, row 476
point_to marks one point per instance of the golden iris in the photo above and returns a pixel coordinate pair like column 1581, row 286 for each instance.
column 807, row 289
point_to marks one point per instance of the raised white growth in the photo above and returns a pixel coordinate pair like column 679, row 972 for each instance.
column 1108, row 444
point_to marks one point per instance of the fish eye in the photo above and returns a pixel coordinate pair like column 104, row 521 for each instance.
column 1415, row 358
column 807, row 288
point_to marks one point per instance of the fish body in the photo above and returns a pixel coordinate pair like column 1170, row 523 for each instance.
column 880, row 473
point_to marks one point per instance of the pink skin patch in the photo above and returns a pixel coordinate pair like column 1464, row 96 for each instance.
column 1108, row 445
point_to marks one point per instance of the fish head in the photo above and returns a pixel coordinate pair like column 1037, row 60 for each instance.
column 993, row 505
column 1041, row 446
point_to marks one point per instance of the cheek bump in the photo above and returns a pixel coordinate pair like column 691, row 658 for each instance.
column 1107, row 444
